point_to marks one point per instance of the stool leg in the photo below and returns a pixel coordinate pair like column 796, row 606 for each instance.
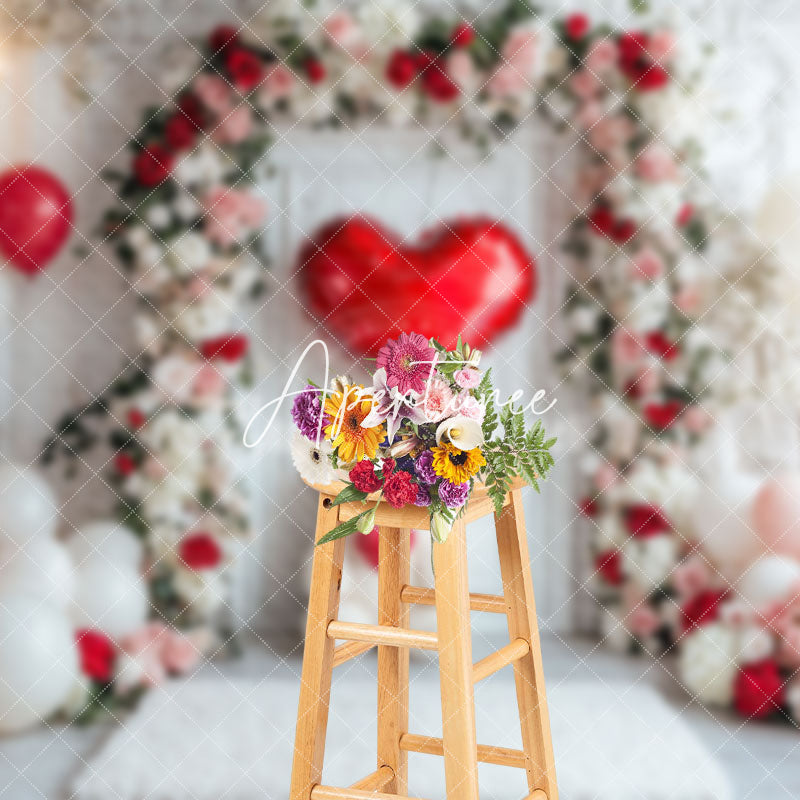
column 528, row 672
column 315, row 684
column 393, row 573
column 455, row 665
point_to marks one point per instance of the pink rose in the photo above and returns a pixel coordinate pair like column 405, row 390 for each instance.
column 278, row 84
column 231, row 214
column 696, row 419
column 467, row 378
column 584, row 84
column 647, row 263
column 589, row 114
column 625, row 347
column 342, row 29
column 656, row 163
column 208, row 384
column 154, row 469
column 461, row 69
column 507, row 81
column 213, row 92
column 661, row 46
column 611, row 133
column 688, row 299
column 235, row 127
column 470, row 407
column 647, row 380
column 691, row 577
column 519, row 52
column 180, row 653
column 602, row 56
column 643, row 621
column 605, row 477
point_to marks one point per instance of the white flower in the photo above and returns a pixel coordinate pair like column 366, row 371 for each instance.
column 707, row 663
column 185, row 206
column 137, row 236
column 175, row 440
column 159, row 215
column 753, row 644
column 173, row 376
column 582, row 319
column 165, row 501
column 313, row 463
column 385, row 23
column 148, row 330
column 611, row 532
column 205, row 317
column 612, row 628
column 190, row 252
column 204, row 167
column 793, row 699
column 649, row 561
column 203, row 591
column 461, row 431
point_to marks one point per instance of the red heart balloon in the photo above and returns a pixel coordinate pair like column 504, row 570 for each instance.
column 35, row 217
column 471, row 276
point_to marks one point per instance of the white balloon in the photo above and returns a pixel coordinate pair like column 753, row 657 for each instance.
column 27, row 504
column 38, row 661
column 109, row 597
column 108, row 539
column 722, row 524
column 41, row 569
column 770, row 579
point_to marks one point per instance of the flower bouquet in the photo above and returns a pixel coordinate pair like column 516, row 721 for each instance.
column 422, row 434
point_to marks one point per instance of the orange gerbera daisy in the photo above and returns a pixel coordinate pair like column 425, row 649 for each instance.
column 347, row 410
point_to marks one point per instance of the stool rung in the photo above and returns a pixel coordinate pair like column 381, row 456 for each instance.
column 489, row 754
column 382, row 635
column 477, row 602
column 333, row 793
column 344, row 652
column 375, row 781
column 499, row 659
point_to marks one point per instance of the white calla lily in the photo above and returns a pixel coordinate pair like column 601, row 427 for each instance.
column 462, row 432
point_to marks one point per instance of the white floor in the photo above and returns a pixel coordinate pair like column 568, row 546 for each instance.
column 761, row 759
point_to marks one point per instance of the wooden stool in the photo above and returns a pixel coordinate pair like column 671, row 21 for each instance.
column 452, row 641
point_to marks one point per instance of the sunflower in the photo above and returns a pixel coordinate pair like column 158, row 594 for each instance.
column 347, row 410
column 457, row 466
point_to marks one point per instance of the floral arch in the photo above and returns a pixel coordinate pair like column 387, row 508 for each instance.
column 187, row 227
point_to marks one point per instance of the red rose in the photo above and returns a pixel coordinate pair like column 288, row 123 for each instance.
column 244, row 67
column 200, row 551
column 96, row 654
column 609, row 566
column 702, row 609
column 576, row 26
column 658, row 344
column 401, row 69
column 637, row 64
column 136, row 418
column 193, row 110
column 222, row 37
column 438, row 85
column 315, row 70
column 463, row 35
column 662, row 415
column 624, row 230
column 180, row 132
column 364, row 478
column 644, row 520
column 758, row 689
column 124, row 463
column 588, row 507
column 399, row 490
column 685, row 215
column 230, row 348
column 153, row 165
column 602, row 220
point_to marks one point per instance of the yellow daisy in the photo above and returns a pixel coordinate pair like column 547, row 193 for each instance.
column 347, row 409
column 457, row 466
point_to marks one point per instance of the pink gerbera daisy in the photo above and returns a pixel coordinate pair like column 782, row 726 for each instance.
column 408, row 361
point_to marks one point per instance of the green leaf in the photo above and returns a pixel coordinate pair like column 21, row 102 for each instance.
column 348, row 495
column 344, row 529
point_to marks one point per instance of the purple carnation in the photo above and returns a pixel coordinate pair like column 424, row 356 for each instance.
column 307, row 410
column 423, row 497
column 423, row 466
column 454, row 495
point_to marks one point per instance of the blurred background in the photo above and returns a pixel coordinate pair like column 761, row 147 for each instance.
column 162, row 166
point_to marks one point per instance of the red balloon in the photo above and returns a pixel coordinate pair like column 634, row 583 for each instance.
column 35, row 217
column 368, row 544
column 471, row 276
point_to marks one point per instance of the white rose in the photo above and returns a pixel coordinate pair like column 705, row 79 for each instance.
column 753, row 644
column 174, row 375
column 203, row 591
column 165, row 501
column 611, row 532
column 582, row 319
column 148, row 330
column 707, row 664
column 205, row 317
column 159, row 216
column 650, row 560
column 204, row 167
column 185, row 206
column 174, row 439
column 137, row 236
column 190, row 252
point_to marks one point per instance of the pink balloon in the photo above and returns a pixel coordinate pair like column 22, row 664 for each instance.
column 776, row 514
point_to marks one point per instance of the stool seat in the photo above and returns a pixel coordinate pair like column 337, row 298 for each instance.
column 452, row 641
